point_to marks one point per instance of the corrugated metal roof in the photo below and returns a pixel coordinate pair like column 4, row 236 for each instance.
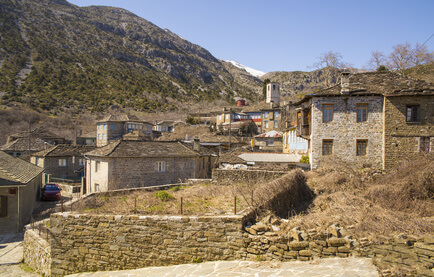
column 270, row 134
column 270, row 157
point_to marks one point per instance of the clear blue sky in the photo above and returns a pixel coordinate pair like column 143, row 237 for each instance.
column 287, row 35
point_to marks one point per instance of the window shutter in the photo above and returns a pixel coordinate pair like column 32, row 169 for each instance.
column 3, row 206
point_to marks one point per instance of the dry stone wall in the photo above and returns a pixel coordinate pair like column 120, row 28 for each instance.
column 81, row 243
column 228, row 175
column 37, row 252
column 103, row 242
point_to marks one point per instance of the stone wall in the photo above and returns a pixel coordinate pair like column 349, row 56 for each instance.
column 402, row 138
column 93, row 242
column 229, row 175
column 37, row 252
column 344, row 130
column 81, row 243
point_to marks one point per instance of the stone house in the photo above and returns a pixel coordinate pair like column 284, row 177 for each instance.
column 129, row 164
column 293, row 144
column 113, row 127
column 270, row 141
column 371, row 119
column 20, row 186
column 63, row 161
column 270, row 118
column 88, row 138
column 25, row 143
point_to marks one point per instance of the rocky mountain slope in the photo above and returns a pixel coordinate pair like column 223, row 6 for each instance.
column 56, row 56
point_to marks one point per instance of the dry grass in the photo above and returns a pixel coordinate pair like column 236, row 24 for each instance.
column 399, row 201
column 198, row 199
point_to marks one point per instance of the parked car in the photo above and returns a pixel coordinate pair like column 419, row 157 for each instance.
column 51, row 192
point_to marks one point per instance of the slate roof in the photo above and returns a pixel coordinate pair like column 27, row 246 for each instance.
column 65, row 150
column 144, row 149
column 380, row 83
column 90, row 135
column 120, row 118
column 22, row 144
column 38, row 132
column 14, row 171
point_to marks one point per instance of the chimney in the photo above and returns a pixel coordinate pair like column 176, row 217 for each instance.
column 345, row 82
column 196, row 144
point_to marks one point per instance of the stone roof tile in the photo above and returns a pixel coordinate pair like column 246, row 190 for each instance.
column 16, row 171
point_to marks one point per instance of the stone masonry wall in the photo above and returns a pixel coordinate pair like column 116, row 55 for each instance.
column 402, row 138
column 92, row 242
column 81, row 243
column 228, row 175
column 344, row 130
column 37, row 252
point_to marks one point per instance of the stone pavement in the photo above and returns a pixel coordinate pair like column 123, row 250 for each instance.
column 344, row 267
column 11, row 249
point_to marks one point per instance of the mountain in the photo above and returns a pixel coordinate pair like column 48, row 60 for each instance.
column 250, row 70
column 57, row 56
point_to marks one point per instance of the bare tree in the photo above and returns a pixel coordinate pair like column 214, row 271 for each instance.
column 328, row 61
column 401, row 57
column 422, row 55
column 377, row 59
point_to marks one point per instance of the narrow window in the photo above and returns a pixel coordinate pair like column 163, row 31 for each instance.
column 275, row 124
column 62, row 162
column 362, row 146
column 362, row 112
column 424, row 144
column 265, row 114
column 96, row 187
column 3, row 206
column 276, row 114
column 97, row 166
column 413, row 113
column 327, row 147
column 266, row 124
column 327, row 112
column 112, row 127
column 161, row 167
column 220, row 117
column 81, row 162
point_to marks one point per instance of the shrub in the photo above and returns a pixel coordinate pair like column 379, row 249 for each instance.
column 163, row 195
column 304, row 159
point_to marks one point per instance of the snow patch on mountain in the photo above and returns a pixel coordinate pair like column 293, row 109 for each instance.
column 252, row 71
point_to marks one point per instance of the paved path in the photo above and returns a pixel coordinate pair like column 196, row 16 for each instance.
column 339, row 267
column 11, row 249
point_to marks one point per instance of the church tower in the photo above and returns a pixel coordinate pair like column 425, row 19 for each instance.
column 273, row 93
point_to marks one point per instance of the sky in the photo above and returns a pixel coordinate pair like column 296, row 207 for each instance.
column 287, row 35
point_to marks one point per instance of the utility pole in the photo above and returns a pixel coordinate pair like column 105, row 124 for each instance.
column 230, row 127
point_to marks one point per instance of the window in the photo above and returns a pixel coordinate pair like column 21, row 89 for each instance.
column 220, row 117
column 112, row 127
column 103, row 136
column 36, row 160
column 362, row 112
column 276, row 114
column 269, row 142
column 327, row 112
column 81, row 162
column 189, row 164
column 413, row 113
column 161, row 167
column 265, row 114
column 362, row 146
column 265, row 124
column 96, row 187
column 227, row 116
column 105, row 126
column 327, row 147
column 3, row 206
column 97, row 166
column 275, row 124
column 424, row 144
column 99, row 127
column 62, row 162
column 99, row 136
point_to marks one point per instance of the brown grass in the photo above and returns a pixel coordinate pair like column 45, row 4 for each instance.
column 399, row 201
column 198, row 199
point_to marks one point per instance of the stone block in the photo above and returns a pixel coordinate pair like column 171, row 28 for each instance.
column 298, row 245
column 336, row 242
column 306, row 253
column 343, row 249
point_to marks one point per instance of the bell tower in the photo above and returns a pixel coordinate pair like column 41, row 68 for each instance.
column 273, row 93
